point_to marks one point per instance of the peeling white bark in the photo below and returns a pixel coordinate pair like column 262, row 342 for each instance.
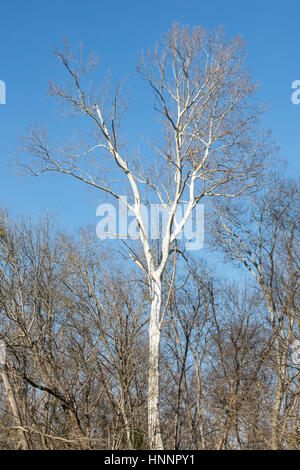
column 154, row 431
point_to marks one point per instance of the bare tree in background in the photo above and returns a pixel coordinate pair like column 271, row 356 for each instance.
column 75, row 336
column 209, row 146
column 263, row 236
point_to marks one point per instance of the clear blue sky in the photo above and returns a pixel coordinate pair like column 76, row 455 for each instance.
column 118, row 30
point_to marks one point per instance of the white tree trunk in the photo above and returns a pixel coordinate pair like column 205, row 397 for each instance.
column 154, row 432
column 15, row 410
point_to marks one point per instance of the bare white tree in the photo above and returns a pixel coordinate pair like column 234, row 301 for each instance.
column 210, row 146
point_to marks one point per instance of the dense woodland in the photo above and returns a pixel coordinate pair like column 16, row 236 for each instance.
column 74, row 322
